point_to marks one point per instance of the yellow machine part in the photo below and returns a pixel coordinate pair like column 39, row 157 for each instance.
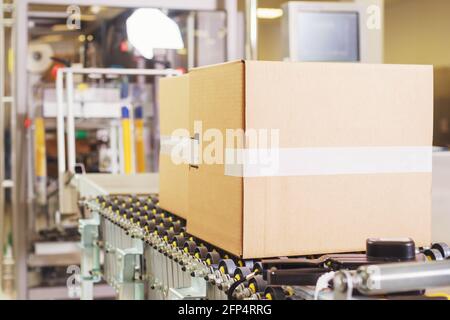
column 40, row 164
column 438, row 295
column 139, row 145
column 126, row 137
column 10, row 60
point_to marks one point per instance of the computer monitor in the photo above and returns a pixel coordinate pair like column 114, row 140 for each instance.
column 330, row 31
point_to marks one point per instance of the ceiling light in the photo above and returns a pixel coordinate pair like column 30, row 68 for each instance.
column 149, row 29
column 269, row 13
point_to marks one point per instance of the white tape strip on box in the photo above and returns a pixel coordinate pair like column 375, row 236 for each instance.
column 326, row 161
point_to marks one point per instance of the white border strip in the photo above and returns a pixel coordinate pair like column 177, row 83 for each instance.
column 327, row 161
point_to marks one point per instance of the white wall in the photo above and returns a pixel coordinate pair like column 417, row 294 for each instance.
column 417, row 31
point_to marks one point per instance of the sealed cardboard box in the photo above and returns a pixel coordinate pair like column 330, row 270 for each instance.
column 174, row 115
column 349, row 156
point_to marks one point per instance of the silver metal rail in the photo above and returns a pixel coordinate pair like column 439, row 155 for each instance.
column 251, row 29
column 377, row 280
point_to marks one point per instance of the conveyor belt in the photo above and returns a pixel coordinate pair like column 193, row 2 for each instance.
column 149, row 255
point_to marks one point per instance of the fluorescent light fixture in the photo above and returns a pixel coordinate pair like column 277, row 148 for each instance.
column 95, row 9
column 269, row 13
column 149, row 29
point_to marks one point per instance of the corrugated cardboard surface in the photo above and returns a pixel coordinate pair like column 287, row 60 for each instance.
column 215, row 201
column 315, row 215
column 337, row 105
column 174, row 104
column 174, row 114
column 341, row 105
column 313, row 105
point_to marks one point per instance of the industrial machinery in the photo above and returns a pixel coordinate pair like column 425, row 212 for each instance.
column 144, row 252
column 41, row 36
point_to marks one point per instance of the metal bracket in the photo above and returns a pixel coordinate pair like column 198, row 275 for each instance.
column 129, row 287
column 197, row 291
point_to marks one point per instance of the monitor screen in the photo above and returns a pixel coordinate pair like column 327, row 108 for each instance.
column 328, row 36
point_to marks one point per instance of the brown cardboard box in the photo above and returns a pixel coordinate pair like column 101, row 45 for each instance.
column 174, row 114
column 383, row 114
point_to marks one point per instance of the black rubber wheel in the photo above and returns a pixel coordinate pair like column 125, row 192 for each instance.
column 170, row 235
column 257, row 284
column 274, row 293
column 160, row 230
column 176, row 225
column 443, row 248
column 191, row 246
column 227, row 266
column 257, row 267
column 179, row 241
column 212, row 257
column 433, row 254
column 241, row 272
column 201, row 252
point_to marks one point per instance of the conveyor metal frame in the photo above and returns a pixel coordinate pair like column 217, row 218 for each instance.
column 124, row 253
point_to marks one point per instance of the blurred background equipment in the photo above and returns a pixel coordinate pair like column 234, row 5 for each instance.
column 39, row 57
column 114, row 116
column 333, row 31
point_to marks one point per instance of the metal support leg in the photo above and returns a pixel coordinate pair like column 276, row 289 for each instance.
column 90, row 256
column 251, row 30
column 129, row 287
